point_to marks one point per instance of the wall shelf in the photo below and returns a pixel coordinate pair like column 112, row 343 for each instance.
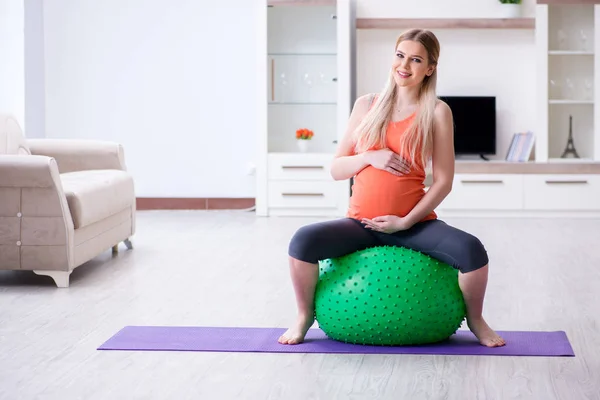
column 445, row 23
column 567, row 2
column 553, row 166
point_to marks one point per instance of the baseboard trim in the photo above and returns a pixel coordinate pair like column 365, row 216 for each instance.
column 179, row 203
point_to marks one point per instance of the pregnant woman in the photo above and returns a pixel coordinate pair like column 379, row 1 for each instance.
column 390, row 139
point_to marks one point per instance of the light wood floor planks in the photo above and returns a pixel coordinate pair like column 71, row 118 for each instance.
column 229, row 268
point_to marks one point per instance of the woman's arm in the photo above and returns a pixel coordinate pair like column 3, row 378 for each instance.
column 442, row 164
column 346, row 164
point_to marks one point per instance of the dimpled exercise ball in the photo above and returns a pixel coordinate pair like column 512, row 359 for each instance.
column 388, row 296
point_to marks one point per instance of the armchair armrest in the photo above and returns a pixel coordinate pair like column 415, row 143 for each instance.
column 37, row 227
column 80, row 155
column 24, row 171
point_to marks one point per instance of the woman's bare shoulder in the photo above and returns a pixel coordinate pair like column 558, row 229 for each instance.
column 361, row 106
column 442, row 118
column 442, row 108
column 366, row 100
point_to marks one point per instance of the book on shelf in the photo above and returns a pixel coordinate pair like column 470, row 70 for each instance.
column 520, row 147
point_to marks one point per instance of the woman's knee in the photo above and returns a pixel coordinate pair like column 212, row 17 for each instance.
column 304, row 243
column 473, row 253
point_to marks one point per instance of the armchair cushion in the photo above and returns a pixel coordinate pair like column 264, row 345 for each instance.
column 11, row 139
column 80, row 154
column 97, row 194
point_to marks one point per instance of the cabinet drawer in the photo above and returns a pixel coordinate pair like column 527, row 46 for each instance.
column 305, row 194
column 300, row 166
column 485, row 192
column 562, row 192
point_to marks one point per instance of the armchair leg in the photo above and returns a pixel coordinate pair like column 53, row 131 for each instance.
column 61, row 278
column 128, row 244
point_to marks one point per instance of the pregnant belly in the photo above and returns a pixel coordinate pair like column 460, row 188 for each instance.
column 376, row 193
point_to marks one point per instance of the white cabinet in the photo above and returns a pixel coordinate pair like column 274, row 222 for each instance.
column 301, row 184
column 306, row 59
column 294, row 195
column 293, row 167
column 523, row 195
column 562, row 192
column 568, row 47
column 485, row 192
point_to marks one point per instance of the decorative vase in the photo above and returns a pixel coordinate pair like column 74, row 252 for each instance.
column 302, row 145
column 510, row 10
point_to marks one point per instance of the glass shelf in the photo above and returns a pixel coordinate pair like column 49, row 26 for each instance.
column 570, row 53
column 298, row 79
column 300, row 54
column 571, row 28
column 571, row 102
column 290, row 103
column 571, row 82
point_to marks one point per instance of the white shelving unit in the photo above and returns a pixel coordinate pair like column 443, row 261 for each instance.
column 306, row 59
column 304, row 48
column 568, row 48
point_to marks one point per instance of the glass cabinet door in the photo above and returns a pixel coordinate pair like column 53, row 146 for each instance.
column 302, row 77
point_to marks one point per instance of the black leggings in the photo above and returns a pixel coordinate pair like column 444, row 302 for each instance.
column 435, row 238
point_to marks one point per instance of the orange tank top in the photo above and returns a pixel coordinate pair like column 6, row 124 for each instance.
column 376, row 193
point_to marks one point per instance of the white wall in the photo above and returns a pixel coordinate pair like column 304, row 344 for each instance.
column 35, row 107
column 172, row 80
column 12, row 59
column 482, row 62
column 149, row 74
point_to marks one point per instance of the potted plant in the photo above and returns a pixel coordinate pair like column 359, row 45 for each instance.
column 510, row 8
column 303, row 135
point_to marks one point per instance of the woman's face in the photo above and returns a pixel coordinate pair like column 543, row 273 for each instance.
column 410, row 65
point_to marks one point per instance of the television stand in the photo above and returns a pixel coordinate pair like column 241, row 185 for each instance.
column 471, row 157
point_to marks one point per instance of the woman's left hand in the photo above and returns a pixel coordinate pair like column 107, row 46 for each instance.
column 387, row 223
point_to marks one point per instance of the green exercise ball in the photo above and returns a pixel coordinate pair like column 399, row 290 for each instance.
column 388, row 296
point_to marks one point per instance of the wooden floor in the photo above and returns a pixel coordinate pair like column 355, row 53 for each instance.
column 228, row 268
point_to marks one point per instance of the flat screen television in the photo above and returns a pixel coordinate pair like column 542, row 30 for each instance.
column 474, row 124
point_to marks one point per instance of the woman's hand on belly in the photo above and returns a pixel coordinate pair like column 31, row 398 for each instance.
column 387, row 223
column 387, row 160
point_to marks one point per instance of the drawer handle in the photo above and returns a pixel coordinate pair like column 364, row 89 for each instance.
column 302, row 167
column 304, row 194
column 566, row 182
column 482, row 181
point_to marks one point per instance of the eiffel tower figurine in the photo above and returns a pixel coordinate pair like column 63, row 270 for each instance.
column 570, row 149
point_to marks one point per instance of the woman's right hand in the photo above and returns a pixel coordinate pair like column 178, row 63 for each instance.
column 387, row 160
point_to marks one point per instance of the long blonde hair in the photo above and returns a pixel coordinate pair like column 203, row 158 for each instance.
column 371, row 132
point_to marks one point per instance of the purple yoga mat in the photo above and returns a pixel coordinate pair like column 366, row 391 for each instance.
column 264, row 340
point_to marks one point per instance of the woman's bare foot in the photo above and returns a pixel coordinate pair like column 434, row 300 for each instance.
column 484, row 333
column 473, row 285
column 296, row 333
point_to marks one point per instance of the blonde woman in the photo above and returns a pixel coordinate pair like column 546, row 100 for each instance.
column 390, row 139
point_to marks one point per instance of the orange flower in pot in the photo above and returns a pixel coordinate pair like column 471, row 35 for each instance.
column 303, row 135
